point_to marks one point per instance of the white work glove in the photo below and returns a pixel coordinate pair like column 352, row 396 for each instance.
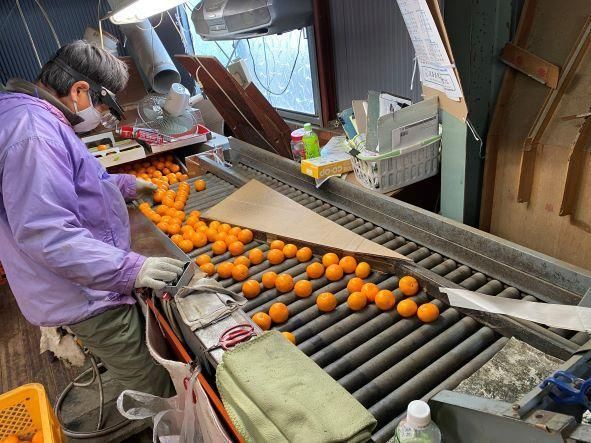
column 156, row 272
column 144, row 188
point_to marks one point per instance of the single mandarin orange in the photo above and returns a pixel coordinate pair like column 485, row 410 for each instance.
column 256, row 256
column 211, row 234
column 208, row 268
column 290, row 250
column 275, row 256
column 200, row 185
column 38, row 437
column 315, row 270
column 167, row 201
column 161, row 210
column 219, row 247
column 178, row 205
column 202, row 259
column 385, row 300
column 187, row 234
column 268, row 279
column 289, row 336
column 242, row 260
column 163, row 226
column 357, row 301
column 156, row 218
column 202, row 228
column 302, row 288
column 186, row 246
column 348, row 264
column 277, row 244
column 355, row 285
column 370, row 290
column 224, row 227
column 214, row 224
column 199, row 239
column 239, row 272
column 326, row 302
column 262, row 320
column 407, row 308
column 334, row 272
column 236, row 248
column 177, row 239
column 186, row 228
column 221, row 236
column 363, row 270
column 245, row 235
column 165, row 219
column 175, row 168
column 284, row 283
column 144, row 205
column 158, row 196
column 230, row 239
column 191, row 221
column 174, row 229
column 330, row 258
column 195, row 214
column 235, row 231
column 408, row 285
column 224, row 269
column 250, row 289
column 279, row 312
column 11, row 439
column 428, row 312
column 304, row 254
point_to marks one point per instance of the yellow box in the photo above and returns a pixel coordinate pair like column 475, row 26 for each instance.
column 322, row 167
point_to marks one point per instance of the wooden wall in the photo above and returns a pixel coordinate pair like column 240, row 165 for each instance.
column 548, row 31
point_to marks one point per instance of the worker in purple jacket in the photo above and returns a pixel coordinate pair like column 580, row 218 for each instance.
column 64, row 227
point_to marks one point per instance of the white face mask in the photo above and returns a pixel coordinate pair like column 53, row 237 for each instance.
column 91, row 116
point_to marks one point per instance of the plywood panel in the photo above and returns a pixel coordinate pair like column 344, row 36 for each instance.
column 538, row 224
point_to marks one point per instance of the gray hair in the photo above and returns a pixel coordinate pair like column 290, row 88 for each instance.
column 95, row 63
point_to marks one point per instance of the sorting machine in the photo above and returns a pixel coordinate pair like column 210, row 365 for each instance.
column 386, row 361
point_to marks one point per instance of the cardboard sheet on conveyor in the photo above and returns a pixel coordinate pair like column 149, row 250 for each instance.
column 504, row 377
column 258, row 207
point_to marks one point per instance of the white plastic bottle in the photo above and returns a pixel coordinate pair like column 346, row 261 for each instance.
column 417, row 427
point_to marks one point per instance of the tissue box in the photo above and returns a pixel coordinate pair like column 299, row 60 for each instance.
column 335, row 163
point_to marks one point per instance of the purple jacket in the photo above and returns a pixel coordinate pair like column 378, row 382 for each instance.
column 64, row 227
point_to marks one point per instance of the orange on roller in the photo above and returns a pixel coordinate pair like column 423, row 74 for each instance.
column 250, row 289
column 199, row 239
column 290, row 250
column 385, row 300
column 334, row 273
column 244, row 235
column 330, row 258
column 178, row 205
column 289, row 336
column 195, row 214
column 176, row 239
column 202, row 259
column 224, row 227
column 303, row 288
column 221, row 235
column 200, row 185
column 262, row 320
column 186, row 245
column 161, row 210
column 239, row 272
column 277, row 244
column 156, row 218
column 38, row 437
column 224, row 269
column 211, row 234
column 268, row 279
column 408, row 285
column 407, row 308
column 208, row 268
column 256, row 256
column 163, row 226
column 186, row 228
column 236, row 248
column 304, row 254
column 275, row 256
column 279, row 312
column 284, row 283
column 315, row 270
column 214, row 224
column 428, row 312
column 219, row 247
column 11, row 439
column 235, row 231
column 355, row 285
column 242, row 260
column 363, row 270
column 230, row 239
column 370, row 290
column 326, row 302
column 357, row 301
column 348, row 263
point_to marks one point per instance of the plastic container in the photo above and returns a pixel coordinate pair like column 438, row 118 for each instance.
column 311, row 142
column 26, row 410
column 417, row 427
column 297, row 145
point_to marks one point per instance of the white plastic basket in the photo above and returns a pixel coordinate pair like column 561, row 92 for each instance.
column 391, row 171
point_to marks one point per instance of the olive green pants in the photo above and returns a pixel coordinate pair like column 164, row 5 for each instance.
column 117, row 337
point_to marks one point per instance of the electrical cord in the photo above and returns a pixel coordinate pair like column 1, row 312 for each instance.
column 57, row 40
column 254, row 68
column 18, row 5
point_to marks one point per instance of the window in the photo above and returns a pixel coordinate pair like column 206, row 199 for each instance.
column 281, row 66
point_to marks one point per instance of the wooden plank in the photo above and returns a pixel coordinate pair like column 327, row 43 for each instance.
column 575, row 169
column 503, row 98
column 530, row 146
column 531, row 65
column 245, row 118
column 324, row 56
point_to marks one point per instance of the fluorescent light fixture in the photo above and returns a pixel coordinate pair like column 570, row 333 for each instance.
column 133, row 11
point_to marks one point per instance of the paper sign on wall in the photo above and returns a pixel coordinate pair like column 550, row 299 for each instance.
column 435, row 68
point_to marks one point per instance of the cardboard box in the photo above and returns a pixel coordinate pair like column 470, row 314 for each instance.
column 335, row 163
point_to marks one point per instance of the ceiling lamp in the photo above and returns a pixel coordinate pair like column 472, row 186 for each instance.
column 133, row 11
